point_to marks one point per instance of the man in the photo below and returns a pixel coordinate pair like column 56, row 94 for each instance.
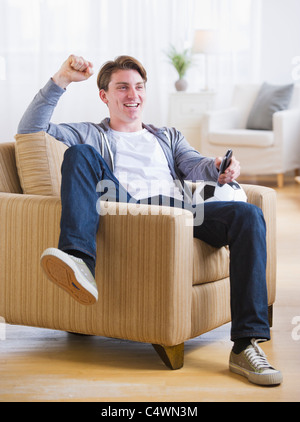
column 128, row 155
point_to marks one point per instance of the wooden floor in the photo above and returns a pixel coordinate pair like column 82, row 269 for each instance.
column 45, row 365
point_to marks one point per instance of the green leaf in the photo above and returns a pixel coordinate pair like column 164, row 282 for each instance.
column 180, row 60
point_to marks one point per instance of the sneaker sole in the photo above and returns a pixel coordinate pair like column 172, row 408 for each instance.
column 62, row 271
column 260, row 379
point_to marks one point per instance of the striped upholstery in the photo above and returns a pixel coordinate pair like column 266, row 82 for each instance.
column 9, row 180
column 156, row 283
column 39, row 157
column 209, row 263
column 144, row 286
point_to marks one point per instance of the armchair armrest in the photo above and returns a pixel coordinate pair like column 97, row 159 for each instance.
column 286, row 125
column 143, row 271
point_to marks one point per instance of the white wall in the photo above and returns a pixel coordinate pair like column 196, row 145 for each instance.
column 280, row 41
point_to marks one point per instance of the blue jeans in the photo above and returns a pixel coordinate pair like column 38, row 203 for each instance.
column 237, row 224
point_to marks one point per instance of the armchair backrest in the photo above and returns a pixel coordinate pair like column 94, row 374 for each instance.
column 39, row 157
column 295, row 101
column 243, row 100
column 9, row 180
column 244, row 96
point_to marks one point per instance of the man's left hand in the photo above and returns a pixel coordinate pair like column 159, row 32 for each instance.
column 231, row 173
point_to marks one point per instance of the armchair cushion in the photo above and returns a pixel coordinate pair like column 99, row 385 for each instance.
column 39, row 157
column 270, row 98
column 209, row 263
column 242, row 138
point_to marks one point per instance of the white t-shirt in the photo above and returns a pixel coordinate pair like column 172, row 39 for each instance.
column 141, row 166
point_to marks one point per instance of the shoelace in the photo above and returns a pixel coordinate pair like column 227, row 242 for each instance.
column 256, row 356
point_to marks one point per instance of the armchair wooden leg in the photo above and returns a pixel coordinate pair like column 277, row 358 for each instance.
column 172, row 356
column 280, row 180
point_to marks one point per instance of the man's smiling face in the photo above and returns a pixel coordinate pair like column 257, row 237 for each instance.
column 125, row 99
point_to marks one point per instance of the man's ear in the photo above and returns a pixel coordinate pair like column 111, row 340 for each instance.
column 103, row 97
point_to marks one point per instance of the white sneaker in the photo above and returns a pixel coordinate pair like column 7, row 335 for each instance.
column 252, row 363
column 71, row 274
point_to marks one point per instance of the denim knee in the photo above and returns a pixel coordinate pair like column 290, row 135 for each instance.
column 252, row 212
column 75, row 151
column 251, row 216
column 83, row 157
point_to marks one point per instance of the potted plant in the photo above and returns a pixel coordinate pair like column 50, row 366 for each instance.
column 181, row 61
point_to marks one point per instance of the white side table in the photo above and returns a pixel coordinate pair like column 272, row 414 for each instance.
column 186, row 111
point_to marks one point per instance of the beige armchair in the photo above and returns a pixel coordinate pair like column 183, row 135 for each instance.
column 156, row 283
column 260, row 152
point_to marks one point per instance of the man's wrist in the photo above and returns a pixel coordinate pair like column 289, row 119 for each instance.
column 61, row 81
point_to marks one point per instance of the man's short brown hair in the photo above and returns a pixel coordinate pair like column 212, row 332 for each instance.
column 120, row 63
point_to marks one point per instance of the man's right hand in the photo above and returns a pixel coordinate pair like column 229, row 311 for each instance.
column 74, row 69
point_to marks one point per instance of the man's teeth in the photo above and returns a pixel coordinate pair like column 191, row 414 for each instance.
column 131, row 105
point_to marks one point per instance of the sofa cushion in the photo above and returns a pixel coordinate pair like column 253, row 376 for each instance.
column 270, row 98
column 39, row 157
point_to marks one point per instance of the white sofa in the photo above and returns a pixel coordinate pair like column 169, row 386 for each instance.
column 259, row 151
